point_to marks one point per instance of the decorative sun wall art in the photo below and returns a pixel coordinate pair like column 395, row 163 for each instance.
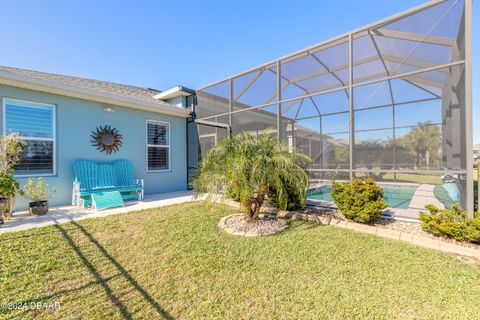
column 106, row 139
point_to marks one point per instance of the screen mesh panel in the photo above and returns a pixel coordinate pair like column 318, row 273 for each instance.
column 404, row 113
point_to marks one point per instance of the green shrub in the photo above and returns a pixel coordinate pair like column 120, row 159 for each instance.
column 361, row 200
column 11, row 148
column 8, row 185
column 451, row 223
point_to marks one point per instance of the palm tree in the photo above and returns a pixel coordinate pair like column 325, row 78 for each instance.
column 423, row 143
column 247, row 166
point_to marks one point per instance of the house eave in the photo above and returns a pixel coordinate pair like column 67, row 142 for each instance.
column 20, row 81
column 175, row 92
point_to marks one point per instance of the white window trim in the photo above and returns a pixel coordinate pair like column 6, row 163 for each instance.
column 163, row 146
column 53, row 139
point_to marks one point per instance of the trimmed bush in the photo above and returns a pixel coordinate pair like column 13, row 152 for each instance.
column 451, row 223
column 361, row 200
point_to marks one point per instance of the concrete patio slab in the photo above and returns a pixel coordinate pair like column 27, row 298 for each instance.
column 21, row 220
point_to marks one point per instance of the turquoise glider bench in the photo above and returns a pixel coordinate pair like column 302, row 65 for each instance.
column 104, row 185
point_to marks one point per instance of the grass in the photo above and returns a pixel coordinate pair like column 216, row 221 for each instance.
column 413, row 178
column 172, row 262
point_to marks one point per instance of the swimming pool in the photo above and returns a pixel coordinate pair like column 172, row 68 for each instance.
column 396, row 197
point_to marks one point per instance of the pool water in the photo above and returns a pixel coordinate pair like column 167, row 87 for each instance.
column 396, row 197
column 321, row 193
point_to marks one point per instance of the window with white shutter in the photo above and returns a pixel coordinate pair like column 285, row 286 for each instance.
column 158, row 146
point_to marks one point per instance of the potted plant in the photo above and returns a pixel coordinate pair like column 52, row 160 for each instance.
column 37, row 191
column 8, row 188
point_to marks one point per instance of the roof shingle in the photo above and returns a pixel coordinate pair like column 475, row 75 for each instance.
column 122, row 90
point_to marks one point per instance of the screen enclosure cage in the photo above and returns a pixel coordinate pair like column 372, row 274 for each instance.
column 391, row 100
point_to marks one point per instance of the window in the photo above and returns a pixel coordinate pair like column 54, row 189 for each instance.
column 35, row 124
column 158, row 146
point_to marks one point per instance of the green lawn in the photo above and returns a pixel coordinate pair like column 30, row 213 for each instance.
column 172, row 262
column 413, row 178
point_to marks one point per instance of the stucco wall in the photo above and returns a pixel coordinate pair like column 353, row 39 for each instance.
column 76, row 118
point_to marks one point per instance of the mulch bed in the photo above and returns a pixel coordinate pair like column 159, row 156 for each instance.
column 318, row 214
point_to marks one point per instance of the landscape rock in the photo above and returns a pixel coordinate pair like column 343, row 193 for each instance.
column 237, row 225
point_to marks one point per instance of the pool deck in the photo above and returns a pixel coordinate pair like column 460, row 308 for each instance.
column 424, row 194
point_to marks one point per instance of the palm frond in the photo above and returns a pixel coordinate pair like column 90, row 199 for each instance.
column 247, row 167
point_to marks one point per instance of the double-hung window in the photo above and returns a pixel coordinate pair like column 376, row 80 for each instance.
column 35, row 124
column 158, row 146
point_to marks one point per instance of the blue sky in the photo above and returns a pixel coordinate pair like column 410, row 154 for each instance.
column 160, row 44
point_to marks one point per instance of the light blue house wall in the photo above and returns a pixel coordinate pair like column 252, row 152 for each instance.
column 75, row 120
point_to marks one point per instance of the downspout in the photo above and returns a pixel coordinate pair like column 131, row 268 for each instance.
column 188, row 121
column 187, row 151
